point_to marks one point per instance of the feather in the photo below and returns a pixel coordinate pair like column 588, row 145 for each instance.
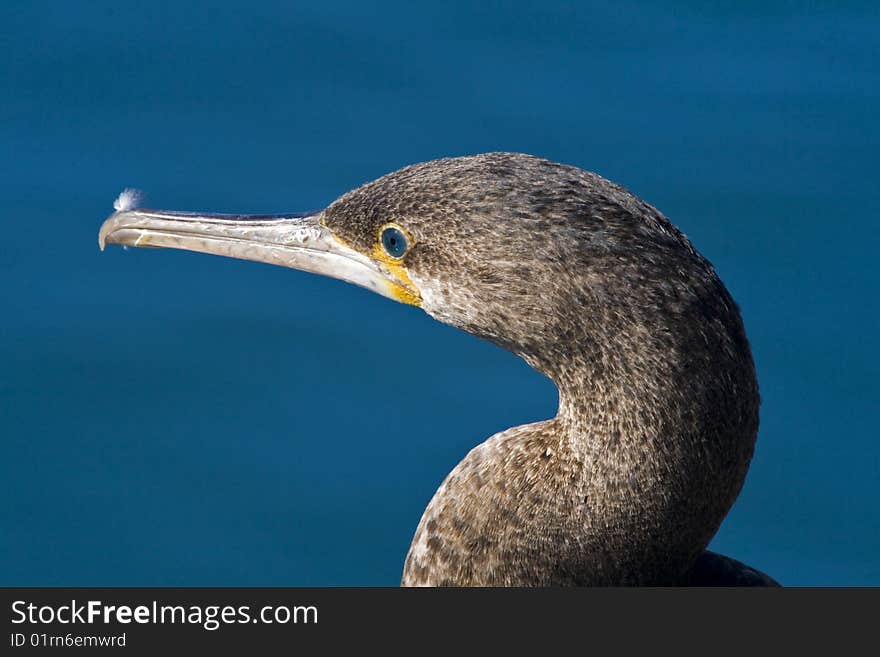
column 128, row 199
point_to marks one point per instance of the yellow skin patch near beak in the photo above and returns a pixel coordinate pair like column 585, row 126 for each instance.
column 408, row 292
column 399, row 283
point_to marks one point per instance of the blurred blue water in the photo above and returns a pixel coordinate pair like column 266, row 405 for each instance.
column 169, row 418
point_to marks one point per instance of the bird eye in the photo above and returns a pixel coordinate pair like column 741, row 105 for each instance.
column 394, row 242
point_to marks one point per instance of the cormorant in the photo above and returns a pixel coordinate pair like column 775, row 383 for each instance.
column 658, row 399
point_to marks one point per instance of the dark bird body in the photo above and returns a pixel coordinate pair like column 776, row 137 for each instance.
column 658, row 400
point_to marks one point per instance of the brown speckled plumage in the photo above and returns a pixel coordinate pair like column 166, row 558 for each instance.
column 658, row 409
column 658, row 402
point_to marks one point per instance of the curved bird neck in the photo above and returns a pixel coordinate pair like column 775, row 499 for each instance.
column 626, row 485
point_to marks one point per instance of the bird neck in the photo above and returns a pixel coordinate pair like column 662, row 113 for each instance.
column 654, row 432
column 631, row 479
column 616, row 396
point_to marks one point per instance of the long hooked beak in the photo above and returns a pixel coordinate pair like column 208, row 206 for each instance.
column 298, row 241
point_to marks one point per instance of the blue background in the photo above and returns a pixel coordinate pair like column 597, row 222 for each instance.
column 178, row 419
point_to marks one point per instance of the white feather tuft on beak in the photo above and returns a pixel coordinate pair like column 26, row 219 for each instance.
column 128, row 199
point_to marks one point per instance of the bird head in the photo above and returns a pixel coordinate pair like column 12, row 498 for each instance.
column 533, row 255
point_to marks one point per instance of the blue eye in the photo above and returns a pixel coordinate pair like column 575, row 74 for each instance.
column 394, row 242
